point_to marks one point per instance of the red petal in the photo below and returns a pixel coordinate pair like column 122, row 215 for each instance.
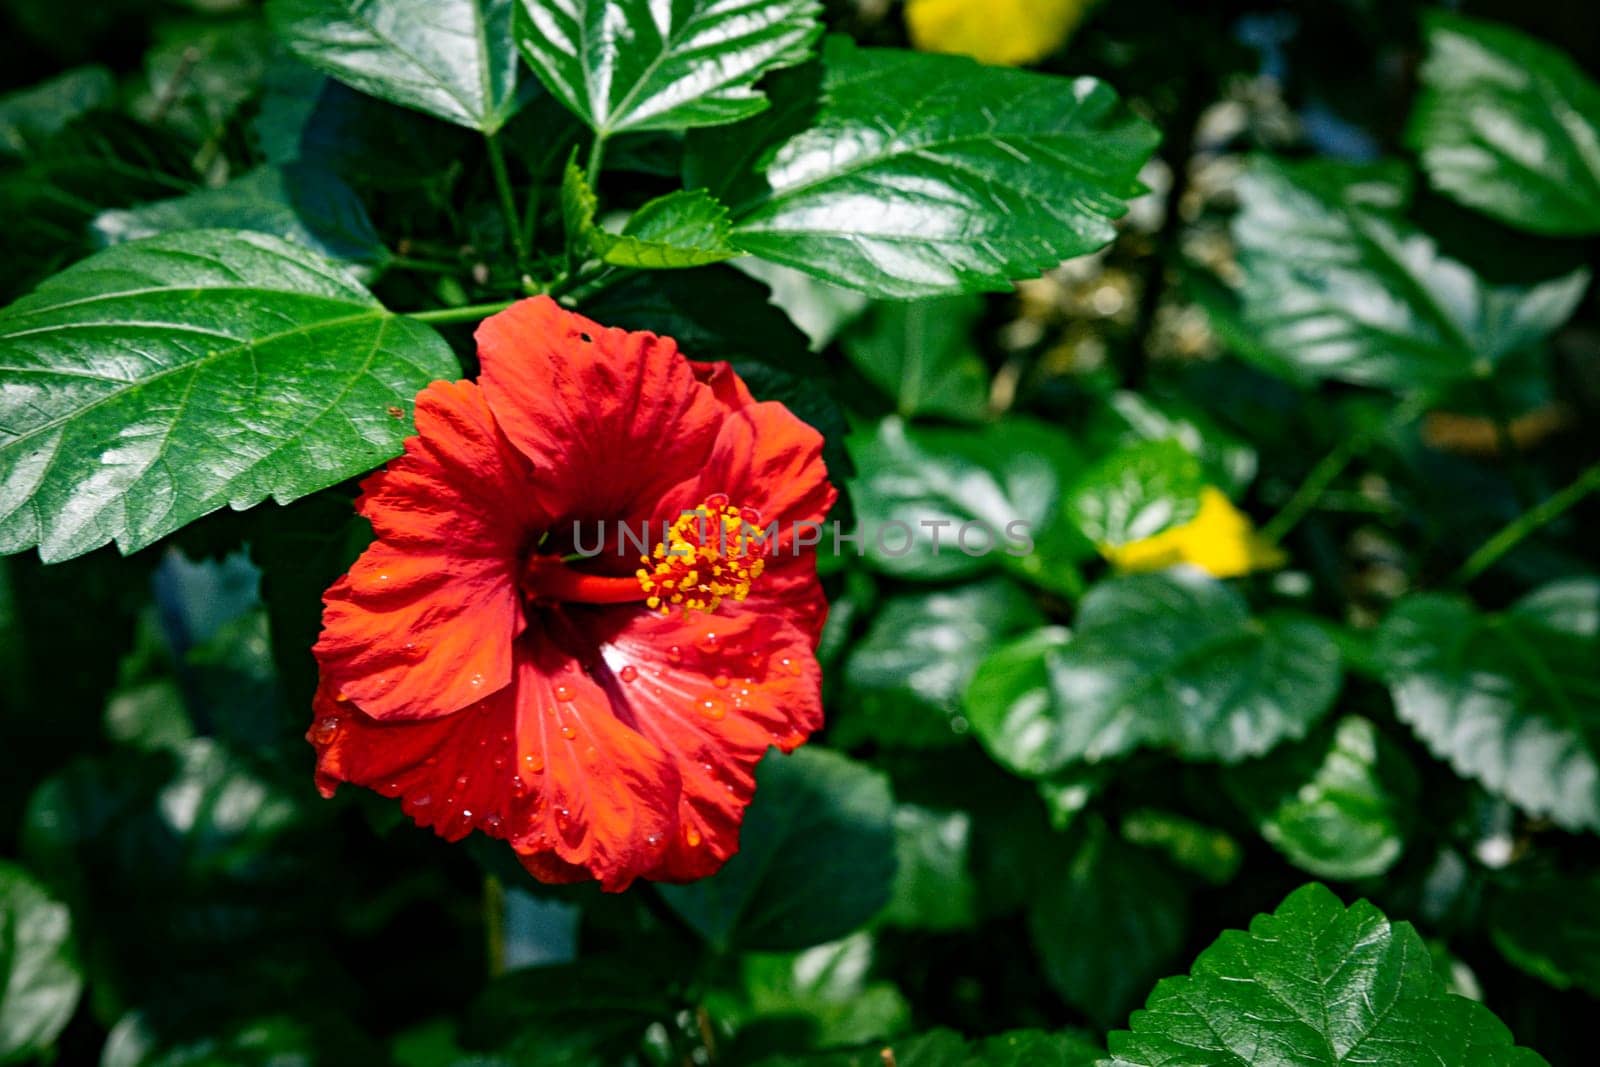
column 713, row 693
column 724, row 383
column 545, row 764
column 609, row 419
column 423, row 623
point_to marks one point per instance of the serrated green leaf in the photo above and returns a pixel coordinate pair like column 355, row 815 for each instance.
column 451, row 58
column 165, row 378
column 1343, row 290
column 1137, row 493
column 1510, row 699
column 1168, row 660
column 300, row 202
column 1128, row 417
column 815, row 859
column 634, row 65
column 687, row 228
column 920, row 353
column 39, row 977
column 1315, row 984
column 28, row 117
column 920, row 487
column 906, row 675
column 1509, row 125
column 1107, row 924
column 910, row 174
column 1338, row 805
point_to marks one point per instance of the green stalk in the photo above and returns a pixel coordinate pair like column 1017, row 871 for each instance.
column 1530, row 521
column 508, row 202
column 465, row 313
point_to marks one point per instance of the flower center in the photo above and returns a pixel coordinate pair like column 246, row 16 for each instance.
column 711, row 553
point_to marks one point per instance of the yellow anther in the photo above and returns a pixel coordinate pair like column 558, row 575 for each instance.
column 714, row 533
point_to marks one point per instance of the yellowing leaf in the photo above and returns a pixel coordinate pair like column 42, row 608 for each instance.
column 1008, row 32
column 1219, row 540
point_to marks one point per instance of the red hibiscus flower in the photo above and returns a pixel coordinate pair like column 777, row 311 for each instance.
column 601, row 712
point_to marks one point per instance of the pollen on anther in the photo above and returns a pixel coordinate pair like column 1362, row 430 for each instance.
column 711, row 553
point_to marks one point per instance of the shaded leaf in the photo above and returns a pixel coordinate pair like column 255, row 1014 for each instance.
column 1137, row 493
column 1168, row 660
column 1510, row 699
column 687, row 228
column 920, row 353
column 1338, row 805
column 39, row 977
column 906, row 675
column 933, row 885
column 1509, row 125
column 28, row 117
column 815, row 859
column 1343, row 290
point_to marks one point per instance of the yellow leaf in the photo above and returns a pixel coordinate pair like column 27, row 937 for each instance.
column 1007, row 32
column 1219, row 540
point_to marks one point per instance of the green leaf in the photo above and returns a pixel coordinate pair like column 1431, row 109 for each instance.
column 906, row 675
column 829, row 989
column 815, row 859
column 453, row 59
column 1510, row 126
column 1137, row 493
column 1343, row 290
column 946, row 1048
column 933, row 885
column 1107, row 924
column 39, row 977
column 301, row 202
column 29, row 117
column 920, row 488
column 1510, row 699
column 1129, row 417
column 1168, row 660
column 1315, row 984
column 1544, row 922
column 160, row 380
column 591, row 1011
column 1191, row 845
column 681, row 229
column 920, row 354
column 200, row 75
column 1338, row 805
column 635, row 65
column 917, row 175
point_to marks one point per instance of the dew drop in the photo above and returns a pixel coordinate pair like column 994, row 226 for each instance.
column 383, row 577
column 674, row 655
column 492, row 824
column 466, row 814
column 535, row 764
column 691, row 837
column 652, row 839
column 568, row 732
column 461, row 782
column 708, row 641
column 499, row 763
column 476, row 681
column 711, row 708
column 791, row 665
column 720, row 681
column 628, row 673
column 325, row 730
column 421, row 802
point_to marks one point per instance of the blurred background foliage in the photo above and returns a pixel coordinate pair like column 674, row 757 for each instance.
column 967, row 863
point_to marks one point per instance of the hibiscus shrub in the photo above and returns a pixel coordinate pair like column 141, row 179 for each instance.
column 662, row 532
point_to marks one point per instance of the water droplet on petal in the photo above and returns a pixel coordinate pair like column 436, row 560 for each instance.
column 476, row 681
column 466, row 814
column 568, row 732
column 421, row 801
column 708, row 641
column 461, row 782
column 535, row 764
column 720, row 681
column 711, row 708
column 628, row 673
column 563, row 693
column 323, row 731
column 492, row 824
column 691, row 837
column 674, row 655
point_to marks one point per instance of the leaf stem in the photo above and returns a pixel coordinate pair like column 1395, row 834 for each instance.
column 508, row 203
column 1321, row 476
column 1505, row 442
column 465, row 313
column 425, row 266
column 597, row 152
column 1535, row 518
